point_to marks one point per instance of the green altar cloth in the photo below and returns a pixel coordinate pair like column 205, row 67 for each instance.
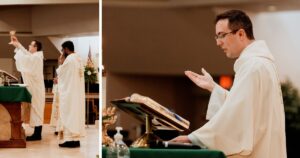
column 171, row 153
column 14, row 94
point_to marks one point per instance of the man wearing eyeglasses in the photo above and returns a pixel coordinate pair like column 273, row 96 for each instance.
column 30, row 64
column 247, row 121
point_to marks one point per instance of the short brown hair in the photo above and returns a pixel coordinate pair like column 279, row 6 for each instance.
column 38, row 45
column 237, row 20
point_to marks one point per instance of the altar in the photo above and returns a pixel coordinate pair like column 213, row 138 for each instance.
column 12, row 134
column 171, row 153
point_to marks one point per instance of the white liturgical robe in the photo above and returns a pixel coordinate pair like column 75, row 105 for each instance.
column 55, row 106
column 248, row 121
column 31, row 67
column 71, row 98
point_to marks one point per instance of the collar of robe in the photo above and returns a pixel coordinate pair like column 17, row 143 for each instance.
column 257, row 48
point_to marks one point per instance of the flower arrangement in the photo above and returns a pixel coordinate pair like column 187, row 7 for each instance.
column 109, row 117
column 90, row 73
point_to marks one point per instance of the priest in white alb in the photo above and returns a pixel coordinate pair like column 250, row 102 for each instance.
column 55, row 106
column 248, row 121
column 30, row 64
column 70, row 75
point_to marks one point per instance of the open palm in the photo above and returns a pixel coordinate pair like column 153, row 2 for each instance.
column 204, row 81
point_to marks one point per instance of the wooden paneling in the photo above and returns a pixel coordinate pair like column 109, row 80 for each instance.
column 47, row 112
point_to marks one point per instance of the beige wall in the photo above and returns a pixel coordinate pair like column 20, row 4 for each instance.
column 65, row 19
column 40, row 2
column 39, row 22
column 15, row 18
column 161, row 41
column 8, row 65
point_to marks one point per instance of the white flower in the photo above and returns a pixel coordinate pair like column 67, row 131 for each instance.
column 89, row 73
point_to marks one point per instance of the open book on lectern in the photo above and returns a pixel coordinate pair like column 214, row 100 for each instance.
column 9, row 76
column 161, row 117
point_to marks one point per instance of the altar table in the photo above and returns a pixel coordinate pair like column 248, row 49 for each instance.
column 11, row 98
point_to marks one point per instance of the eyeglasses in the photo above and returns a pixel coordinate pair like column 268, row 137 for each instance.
column 223, row 35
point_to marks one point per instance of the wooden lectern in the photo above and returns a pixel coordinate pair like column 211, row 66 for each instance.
column 11, row 98
column 153, row 114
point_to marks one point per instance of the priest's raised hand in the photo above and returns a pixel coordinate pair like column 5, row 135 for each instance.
column 61, row 59
column 14, row 42
column 204, row 81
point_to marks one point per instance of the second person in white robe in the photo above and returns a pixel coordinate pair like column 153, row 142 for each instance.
column 71, row 121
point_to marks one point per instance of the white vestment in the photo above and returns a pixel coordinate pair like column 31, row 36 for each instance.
column 71, row 98
column 31, row 67
column 55, row 106
column 248, row 121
